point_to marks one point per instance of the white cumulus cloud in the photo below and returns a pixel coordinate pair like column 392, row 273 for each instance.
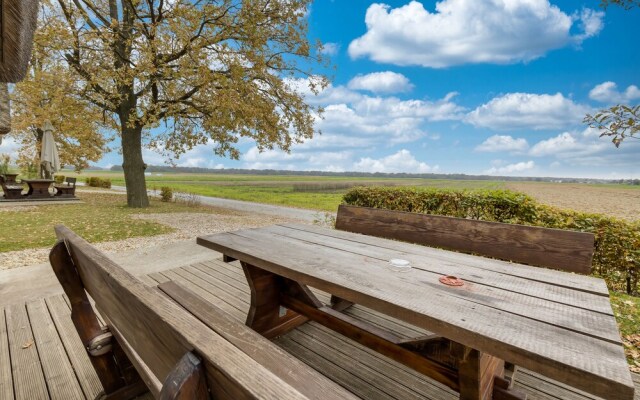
column 571, row 145
column 497, row 143
column 470, row 31
column 381, row 82
column 511, row 168
column 528, row 111
column 402, row 161
column 607, row 92
column 330, row 49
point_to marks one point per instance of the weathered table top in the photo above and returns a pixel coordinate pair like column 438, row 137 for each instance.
column 555, row 323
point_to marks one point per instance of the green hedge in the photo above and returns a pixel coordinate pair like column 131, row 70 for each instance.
column 98, row 182
column 617, row 252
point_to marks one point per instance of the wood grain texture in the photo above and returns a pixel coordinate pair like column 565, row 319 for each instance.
column 553, row 248
column 6, row 382
column 560, row 279
column 162, row 332
column 291, row 370
column 58, row 373
column 86, row 375
column 28, row 379
column 422, row 301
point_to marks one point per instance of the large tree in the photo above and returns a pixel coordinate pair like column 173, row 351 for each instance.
column 179, row 73
column 48, row 92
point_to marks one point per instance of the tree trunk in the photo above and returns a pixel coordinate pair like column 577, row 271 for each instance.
column 134, row 167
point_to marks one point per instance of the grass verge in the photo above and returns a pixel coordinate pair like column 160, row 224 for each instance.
column 102, row 217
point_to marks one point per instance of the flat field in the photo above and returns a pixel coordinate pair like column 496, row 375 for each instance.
column 621, row 201
column 322, row 193
column 325, row 193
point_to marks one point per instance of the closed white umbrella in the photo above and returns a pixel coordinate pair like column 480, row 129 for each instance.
column 49, row 151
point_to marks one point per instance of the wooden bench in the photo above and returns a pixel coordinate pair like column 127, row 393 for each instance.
column 11, row 190
column 563, row 250
column 559, row 249
column 175, row 344
column 66, row 189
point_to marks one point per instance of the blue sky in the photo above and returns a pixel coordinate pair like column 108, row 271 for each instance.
column 462, row 86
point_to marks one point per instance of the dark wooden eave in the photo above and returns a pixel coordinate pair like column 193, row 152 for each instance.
column 17, row 23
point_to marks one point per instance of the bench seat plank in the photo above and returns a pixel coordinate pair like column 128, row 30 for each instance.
column 530, row 343
column 6, row 382
column 28, row 379
column 61, row 380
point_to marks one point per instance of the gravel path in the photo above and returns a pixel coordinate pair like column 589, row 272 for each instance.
column 187, row 225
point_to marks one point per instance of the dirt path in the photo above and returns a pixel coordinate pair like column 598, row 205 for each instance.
column 615, row 201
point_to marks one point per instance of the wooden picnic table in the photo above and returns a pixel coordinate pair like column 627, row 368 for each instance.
column 38, row 188
column 555, row 323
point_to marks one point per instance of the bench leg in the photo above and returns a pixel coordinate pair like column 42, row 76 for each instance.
column 266, row 315
column 187, row 380
column 110, row 363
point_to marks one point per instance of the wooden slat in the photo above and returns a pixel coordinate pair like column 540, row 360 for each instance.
column 61, row 380
column 363, row 355
column 28, row 379
column 340, row 374
column 577, row 282
column 541, row 347
column 289, row 369
column 513, row 295
column 553, row 248
column 86, row 375
column 6, row 383
column 162, row 332
column 211, row 294
column 375, row 377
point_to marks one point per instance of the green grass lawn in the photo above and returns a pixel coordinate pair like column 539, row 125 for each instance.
column 102, row 217
column 627, row 311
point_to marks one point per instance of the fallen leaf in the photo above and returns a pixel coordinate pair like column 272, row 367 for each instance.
column 27, row 344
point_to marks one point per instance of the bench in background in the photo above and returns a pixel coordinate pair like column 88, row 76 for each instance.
column 559, row 249
column 66, row 189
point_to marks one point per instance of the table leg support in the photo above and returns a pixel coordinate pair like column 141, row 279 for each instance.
column 481, row 376
column 266, row 315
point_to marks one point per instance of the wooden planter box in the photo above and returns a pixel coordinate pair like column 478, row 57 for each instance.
column 17, row 23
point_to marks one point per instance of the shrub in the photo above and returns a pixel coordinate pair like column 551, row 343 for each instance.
column 617, row 247
column 94, row 181
column 59, row 179
column 166, row 193
column 188, row 199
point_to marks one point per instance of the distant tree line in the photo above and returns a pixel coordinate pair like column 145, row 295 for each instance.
column 238, row 171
